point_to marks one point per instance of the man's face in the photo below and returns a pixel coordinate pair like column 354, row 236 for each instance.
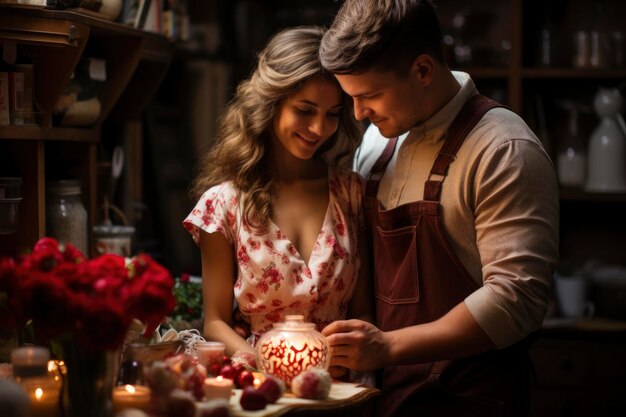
column 391, row 101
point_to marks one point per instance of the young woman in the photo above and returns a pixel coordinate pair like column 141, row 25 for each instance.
column 278, row 221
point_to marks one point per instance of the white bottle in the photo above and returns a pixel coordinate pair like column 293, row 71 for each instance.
column 607, row 145
column 572, row 156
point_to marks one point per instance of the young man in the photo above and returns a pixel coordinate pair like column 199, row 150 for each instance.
column 463, row 207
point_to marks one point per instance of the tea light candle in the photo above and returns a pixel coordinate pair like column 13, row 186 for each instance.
column 259, row 377
column 31, row 369
column 210, row 353
column 44, row 402
column 219, row 387
column 131, row 396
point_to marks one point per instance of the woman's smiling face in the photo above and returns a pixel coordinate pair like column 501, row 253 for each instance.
column 307, row 118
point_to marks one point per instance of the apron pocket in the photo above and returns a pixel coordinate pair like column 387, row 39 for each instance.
column 396, row 265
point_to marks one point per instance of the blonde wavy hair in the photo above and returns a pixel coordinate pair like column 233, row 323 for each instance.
column 239, row 154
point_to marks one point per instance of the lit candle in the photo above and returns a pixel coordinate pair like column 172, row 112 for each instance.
column 31, row 370
column 259, row 377
column 44, row 403
column 131, row 396
column 219, row 387
column 54, row 370
column 210, row 353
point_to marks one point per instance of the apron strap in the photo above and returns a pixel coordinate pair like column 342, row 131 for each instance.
column 377, row 171
column 472, row 111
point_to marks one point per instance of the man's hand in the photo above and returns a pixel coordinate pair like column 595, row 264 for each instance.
column 357, row 345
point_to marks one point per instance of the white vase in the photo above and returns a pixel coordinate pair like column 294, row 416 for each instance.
column 607, row 145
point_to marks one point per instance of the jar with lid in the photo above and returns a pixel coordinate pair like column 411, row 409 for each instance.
column 291, row 347
column 66, row 217
column 30, row 370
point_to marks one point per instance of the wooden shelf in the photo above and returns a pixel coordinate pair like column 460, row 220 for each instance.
column 573, row 73
column 50, row 134
column 55, row 41
column 583, row 196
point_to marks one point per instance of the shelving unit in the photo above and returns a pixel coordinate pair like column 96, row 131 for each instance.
column 534, row 91
column 56, row 41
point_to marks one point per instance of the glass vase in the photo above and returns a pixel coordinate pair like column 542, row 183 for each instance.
column 89, row 380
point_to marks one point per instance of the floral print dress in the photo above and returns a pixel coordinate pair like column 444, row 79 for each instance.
column 273, row 279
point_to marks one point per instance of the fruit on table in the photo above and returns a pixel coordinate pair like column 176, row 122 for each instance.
column 181, row 404
column 252, row 399
column 228, row 371
column 244, row 378
column 161, row 379
column 272, row 388
column 312, row 383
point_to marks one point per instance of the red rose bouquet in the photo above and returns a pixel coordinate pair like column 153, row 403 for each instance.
column 60, row 291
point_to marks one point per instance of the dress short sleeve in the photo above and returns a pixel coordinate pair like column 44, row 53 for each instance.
column 214, row 212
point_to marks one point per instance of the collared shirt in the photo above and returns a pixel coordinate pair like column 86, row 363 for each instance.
column 500, row 209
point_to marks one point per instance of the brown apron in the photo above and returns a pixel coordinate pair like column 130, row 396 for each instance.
column 418, row 279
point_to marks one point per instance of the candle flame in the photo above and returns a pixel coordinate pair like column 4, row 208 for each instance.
column 219, row 378
column 38, row 394
column 61, row 367
column 257, row 382
column 130, row 389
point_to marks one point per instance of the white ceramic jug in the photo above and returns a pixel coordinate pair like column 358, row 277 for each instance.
column 607, row 145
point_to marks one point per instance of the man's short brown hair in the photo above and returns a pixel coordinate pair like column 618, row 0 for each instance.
column 380, row 34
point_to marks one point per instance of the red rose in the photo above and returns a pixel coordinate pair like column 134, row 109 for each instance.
column 46, row 244
column 149, row 293
column 72, row 254
column 45, row 259
column 45, row 299
column 103, row 324
column 184, row 278
column 96, row 299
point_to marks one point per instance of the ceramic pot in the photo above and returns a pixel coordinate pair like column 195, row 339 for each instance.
column 290, row 348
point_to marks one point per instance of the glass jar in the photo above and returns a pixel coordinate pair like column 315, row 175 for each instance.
column 290, row 348
column 66, row 217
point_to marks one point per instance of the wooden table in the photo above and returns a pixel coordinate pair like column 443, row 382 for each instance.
column 345, row 399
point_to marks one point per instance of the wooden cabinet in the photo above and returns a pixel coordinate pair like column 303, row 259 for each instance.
column 55, row 41
column 579, row 372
